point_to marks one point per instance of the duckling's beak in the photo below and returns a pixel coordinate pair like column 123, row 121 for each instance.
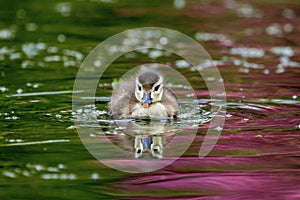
column 146, row 101
column 146, row 141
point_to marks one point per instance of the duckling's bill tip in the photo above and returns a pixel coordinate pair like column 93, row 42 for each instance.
column 145, row 105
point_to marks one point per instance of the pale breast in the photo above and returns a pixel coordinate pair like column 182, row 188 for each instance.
column 155, row 110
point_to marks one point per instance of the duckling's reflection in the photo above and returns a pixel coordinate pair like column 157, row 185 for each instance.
column 149, row 136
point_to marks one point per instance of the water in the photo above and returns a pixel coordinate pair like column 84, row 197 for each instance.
column 254, row 44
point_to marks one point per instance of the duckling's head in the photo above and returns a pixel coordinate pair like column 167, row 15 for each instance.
column 148, row 88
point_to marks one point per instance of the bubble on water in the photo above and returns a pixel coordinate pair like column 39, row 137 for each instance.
column 26, row 173
column 155, row 54
column 274, row 29
column 245, row 10
column 71, row 127
column 15, row 56
column 248, row 52
column 228, row 115
column 280, row 69
column 5, row 50
column 31, row 49
column 244, row 70
column 58, row 116
column 248, row 11
column 259, row 136
column 288, row 13
column 41, row 46
column 253, row 65
column 286, row 62
column 15, row 118
column 285, row 51
column 52, row 49
column 52, row 169
column 95, row 176
column 54, row 58
column 31, row 27
column 79, row 56
column 163, row 40
column 288, row 28
column 64, row 8
column 179, row 4
column 36, row 85
column 9, row 174
column 299, row 126
column 143, row 51
column 3, row 89
column 266, row 71
column 61, row 166
column 97, row 63
column 61, row 38
column 70, row 63
column 6, row 34
column 182, row 64
column 38, row 167
column 72, row 176
column 218, row 128
column 26, row 63
column 19, row 91
column 210, row 37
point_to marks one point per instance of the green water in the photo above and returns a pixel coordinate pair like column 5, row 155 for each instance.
column 42, row 44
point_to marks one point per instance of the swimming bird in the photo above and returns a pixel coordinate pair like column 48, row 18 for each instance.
column 145, row 95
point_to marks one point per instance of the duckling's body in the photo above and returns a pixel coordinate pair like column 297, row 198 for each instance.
column 144, row 96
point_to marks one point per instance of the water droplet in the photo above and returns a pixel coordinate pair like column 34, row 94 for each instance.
column 288, row 28
column 218, row 128
column 248, row 52
column 64, row 8
column 155, row 53
column 58, row 116
column 61, row 38
column 9, row 174
column 19, row 91
column 6, row 34
column 61, row 166
column 163, row 40
column 274, row 29
column 95, row 176
column 3, row 89
column 182, row 64
column 266, row 71
column 15, row 56
column 97, row 63
column 288, row 13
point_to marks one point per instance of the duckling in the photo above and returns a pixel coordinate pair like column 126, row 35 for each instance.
column 144, row 96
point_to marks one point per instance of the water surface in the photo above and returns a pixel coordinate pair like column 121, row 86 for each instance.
column 255, row 45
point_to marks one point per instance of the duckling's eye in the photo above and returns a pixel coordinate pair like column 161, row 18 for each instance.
column 156, row 88
column 139, row 88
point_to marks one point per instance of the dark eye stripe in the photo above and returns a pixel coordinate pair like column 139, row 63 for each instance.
column 156, row 88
